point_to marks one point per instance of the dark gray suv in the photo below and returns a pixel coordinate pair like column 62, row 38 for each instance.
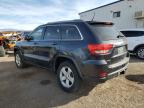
column 75, row 50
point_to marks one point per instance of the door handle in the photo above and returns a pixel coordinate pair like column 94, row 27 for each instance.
column 35, row 43
column 54, row 43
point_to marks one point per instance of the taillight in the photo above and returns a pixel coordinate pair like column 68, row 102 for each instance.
column 102, row 74
column 97, row 49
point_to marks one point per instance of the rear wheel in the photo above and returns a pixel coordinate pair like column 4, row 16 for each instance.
column 140, row 52
column 68, row 77
column 19, row 60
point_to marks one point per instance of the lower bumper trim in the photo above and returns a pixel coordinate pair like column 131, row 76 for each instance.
column 118, row 71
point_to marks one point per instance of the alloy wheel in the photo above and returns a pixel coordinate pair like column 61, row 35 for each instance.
column 140, row 53
column 66, row 77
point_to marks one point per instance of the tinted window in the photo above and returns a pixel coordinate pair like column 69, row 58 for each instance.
column 70, row 32
column 105, row 32
column 37, row 34
column 133, row 33
column 52, row 32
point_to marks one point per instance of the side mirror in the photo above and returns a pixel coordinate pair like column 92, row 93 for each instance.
column 28, row 38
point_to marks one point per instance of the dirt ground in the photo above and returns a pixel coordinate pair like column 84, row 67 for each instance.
column 37, row 88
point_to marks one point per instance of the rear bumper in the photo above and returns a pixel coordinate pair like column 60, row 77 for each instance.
column 118, row 71
column 115, row 73
column 92, row 69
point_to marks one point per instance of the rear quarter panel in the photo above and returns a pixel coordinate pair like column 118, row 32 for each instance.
column 134, row 41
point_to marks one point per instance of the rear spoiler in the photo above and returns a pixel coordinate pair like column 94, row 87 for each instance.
column 99, row 23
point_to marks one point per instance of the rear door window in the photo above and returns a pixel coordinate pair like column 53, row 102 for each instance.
column 70, row 32
column 52, row 33
column 133, row 33
column 105, row 32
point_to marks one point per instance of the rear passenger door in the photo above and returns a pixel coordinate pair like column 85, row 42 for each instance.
column 71, row 42
column 50, row 45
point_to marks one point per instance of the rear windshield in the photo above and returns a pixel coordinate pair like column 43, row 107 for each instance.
column 105, row 32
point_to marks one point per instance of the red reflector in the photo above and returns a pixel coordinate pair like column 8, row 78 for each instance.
column 102, row 74
column 99, row 48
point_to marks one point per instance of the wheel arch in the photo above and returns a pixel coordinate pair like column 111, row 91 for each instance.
column 16, row 49
column 138, row 46
column 60, row 59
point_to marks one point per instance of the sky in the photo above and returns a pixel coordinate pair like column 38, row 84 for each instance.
column 28, row 14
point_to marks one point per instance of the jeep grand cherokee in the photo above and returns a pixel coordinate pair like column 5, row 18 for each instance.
column 75, row 50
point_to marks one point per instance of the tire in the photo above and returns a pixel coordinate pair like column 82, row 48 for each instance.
column 67, row 77
column 2, row 51
column 19, row 60
column 140, row 53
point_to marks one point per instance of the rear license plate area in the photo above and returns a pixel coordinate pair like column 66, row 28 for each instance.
column 120, row 50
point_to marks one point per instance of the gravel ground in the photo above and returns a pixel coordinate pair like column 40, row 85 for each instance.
column 37, row 88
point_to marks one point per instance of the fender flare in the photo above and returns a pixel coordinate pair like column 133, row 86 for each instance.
column 71, row 59
column 140, row 45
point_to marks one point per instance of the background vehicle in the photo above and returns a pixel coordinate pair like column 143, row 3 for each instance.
column 8, row 40
column 135, row 39
column 75, row 50
column 2, row 51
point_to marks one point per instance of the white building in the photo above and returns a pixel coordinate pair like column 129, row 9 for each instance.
column 124, row 13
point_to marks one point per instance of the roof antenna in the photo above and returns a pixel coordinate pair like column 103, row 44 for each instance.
column 93, row 17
